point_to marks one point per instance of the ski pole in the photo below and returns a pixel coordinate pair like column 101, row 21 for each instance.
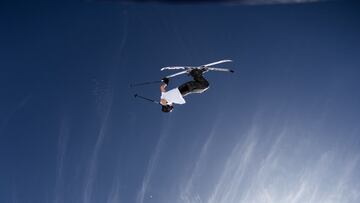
column 151, row 100
column 145, row 83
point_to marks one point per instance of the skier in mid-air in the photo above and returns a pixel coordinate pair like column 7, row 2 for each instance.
column 176, row 96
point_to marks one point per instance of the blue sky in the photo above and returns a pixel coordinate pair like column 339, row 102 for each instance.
column 283, row 128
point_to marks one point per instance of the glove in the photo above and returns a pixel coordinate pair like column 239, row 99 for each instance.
column 165, row 80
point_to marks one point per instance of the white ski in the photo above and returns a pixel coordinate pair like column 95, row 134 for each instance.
column 217, row 62
column 206, row 70
column 192, row 67
column 220, row 69
column 206, row 67
column 176, row 74
column 176, row 68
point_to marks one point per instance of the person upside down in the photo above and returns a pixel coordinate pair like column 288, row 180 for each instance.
column 176, row 96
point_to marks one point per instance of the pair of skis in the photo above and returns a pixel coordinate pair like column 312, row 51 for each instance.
column 185, row 70
column 206, row 67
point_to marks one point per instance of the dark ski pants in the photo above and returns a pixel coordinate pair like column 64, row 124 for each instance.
column 197, row 85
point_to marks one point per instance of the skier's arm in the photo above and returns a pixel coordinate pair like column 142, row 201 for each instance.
column 164, row 84
column 163, row 87
column 163, row 102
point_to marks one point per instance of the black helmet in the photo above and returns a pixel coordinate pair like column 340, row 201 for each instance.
column 166, row 108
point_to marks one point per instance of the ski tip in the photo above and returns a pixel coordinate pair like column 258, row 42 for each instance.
column 232, row 71
column 226, row 60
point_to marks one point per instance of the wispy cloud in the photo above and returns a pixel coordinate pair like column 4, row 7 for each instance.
column 14, row 195
column 262, row 2
column 228, row 2
column 104, row 98
column 228, row 187
column 114, row 195
column 154, row 160
column 92, row 169
column 61, row 148
column 187, row 192
column 288, row 168
column 20, row 105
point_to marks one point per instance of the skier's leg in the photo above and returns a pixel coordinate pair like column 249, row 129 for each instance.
column 198, row 85
column 202, row 83
column 187, row 87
